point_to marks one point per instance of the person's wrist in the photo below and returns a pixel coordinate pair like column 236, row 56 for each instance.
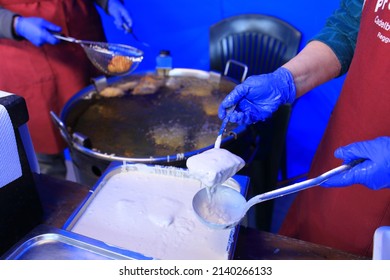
column 15, row 22
column 288, row 88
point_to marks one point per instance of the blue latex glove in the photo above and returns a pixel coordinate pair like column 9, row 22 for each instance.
column 374, row 172
column 37, row 30
column 259, row 96
column 122, row 19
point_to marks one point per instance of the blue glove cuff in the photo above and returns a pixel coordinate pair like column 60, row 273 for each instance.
column 287, row 87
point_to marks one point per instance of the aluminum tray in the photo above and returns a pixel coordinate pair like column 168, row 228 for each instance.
column 48, row 243
column 238, row 182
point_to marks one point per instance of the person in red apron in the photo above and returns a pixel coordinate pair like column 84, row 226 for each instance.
column 46, row 72
column 346, row 210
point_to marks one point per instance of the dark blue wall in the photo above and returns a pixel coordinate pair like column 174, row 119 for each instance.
column 182, row 26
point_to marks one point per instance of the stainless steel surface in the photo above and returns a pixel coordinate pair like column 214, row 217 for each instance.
column 48, row 243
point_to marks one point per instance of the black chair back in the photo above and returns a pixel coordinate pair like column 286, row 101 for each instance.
column 262, row 42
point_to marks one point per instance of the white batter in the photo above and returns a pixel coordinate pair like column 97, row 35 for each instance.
column 152, row 214
column 214, row 166
column 223, row 208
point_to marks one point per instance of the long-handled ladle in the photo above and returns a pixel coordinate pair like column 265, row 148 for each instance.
column 226, row 207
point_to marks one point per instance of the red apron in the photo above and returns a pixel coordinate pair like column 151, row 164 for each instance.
column 346, row 218
column 48, row 76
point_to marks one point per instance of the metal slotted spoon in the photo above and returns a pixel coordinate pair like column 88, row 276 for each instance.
column 105, row 56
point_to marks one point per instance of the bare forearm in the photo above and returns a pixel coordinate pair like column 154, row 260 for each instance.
column 314, row 65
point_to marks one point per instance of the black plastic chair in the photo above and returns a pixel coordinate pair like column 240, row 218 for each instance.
column 263, row 43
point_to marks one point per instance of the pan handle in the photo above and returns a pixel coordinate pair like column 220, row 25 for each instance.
column 99, row 83
column 64, row 132
column 244, row 66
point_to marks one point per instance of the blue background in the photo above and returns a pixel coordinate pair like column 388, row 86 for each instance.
column 182, row 27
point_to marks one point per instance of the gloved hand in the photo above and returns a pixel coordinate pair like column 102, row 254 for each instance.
column 122, row 19
column 259, row 96
column 37, row 30
column 374, row 172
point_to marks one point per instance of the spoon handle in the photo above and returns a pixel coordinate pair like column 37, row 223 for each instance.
column 65, row 38
column 301, row 185
column 129, row 30
column 225, row 121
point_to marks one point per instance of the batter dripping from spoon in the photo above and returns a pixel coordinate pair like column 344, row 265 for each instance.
column 213, row 167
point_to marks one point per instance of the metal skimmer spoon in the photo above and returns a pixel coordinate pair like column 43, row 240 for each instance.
column 101, row 54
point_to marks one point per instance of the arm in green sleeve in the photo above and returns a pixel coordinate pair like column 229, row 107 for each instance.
column 341, row 30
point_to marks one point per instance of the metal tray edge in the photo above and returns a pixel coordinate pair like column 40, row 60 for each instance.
column 42, row 232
